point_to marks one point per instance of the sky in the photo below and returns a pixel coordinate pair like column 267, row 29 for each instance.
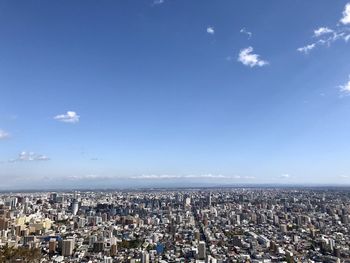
column 156, row 93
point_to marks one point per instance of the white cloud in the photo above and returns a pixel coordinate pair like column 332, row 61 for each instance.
column 4, row 135
column 158, row 2
column 90, row 177
column 285, row 176
column 335, row 36
column 244, row 31
column 322, row 31
column 250, row 59
column 347, row 38
column 339, row 34
column 30, row 156
column 201, row 176
column 328, row 36
column 345, row 88
column 69, row 117
column 346, row 15
column 210, row 30
column 95, row 177
column 307, row 49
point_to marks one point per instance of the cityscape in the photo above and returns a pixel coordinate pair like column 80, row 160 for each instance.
column 177, row 225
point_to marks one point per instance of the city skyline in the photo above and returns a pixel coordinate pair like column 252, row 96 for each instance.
column 174, row 93
column 171, row 225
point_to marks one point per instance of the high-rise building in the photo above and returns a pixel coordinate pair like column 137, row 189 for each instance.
column 289, row 256
column 201, row 250
column 75, row 207
column 53, row 197
column 283, row 228
column 52, row 246
column 28, row 239
column 67, row 247
column 187, row 201
column 144, row 257
column 197, row 235
column 92, row 240
column 210, row 259
column 98, row 246
column 114, row 250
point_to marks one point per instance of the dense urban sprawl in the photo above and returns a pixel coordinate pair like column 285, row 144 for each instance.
column 194, row 225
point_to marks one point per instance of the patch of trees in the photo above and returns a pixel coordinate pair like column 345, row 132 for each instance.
column 21, row 254
column 130, row 244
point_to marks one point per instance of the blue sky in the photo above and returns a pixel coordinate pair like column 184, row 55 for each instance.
column 174, row 93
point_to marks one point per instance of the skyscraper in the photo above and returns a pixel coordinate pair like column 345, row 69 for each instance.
column 209, row 199
column 144, row 257
column 52, row 246
column 67, row 247
column 75, row 207
column 201, row 250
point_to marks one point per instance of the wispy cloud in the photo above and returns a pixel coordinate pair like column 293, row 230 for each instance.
column 30, row 156
column 158, row 2
column 345, row 88
column 210, row 30
column 94, row 177
column 90, row 177
column 322, row 31
column 201, row 176
column 346, row 15
column 306, row 49
column 4, row 135
column 327, row 36
column 248, row 58
column 248, row 33
column 284, row 176
column 69, row 117
column 343, row 34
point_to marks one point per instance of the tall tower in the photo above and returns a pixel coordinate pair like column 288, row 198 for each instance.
column 144, row 257
column 75, row 207
column 201, row 250
column 52, row 246
column 67, row 247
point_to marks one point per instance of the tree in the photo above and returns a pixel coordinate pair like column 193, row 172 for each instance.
column 9, row 254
